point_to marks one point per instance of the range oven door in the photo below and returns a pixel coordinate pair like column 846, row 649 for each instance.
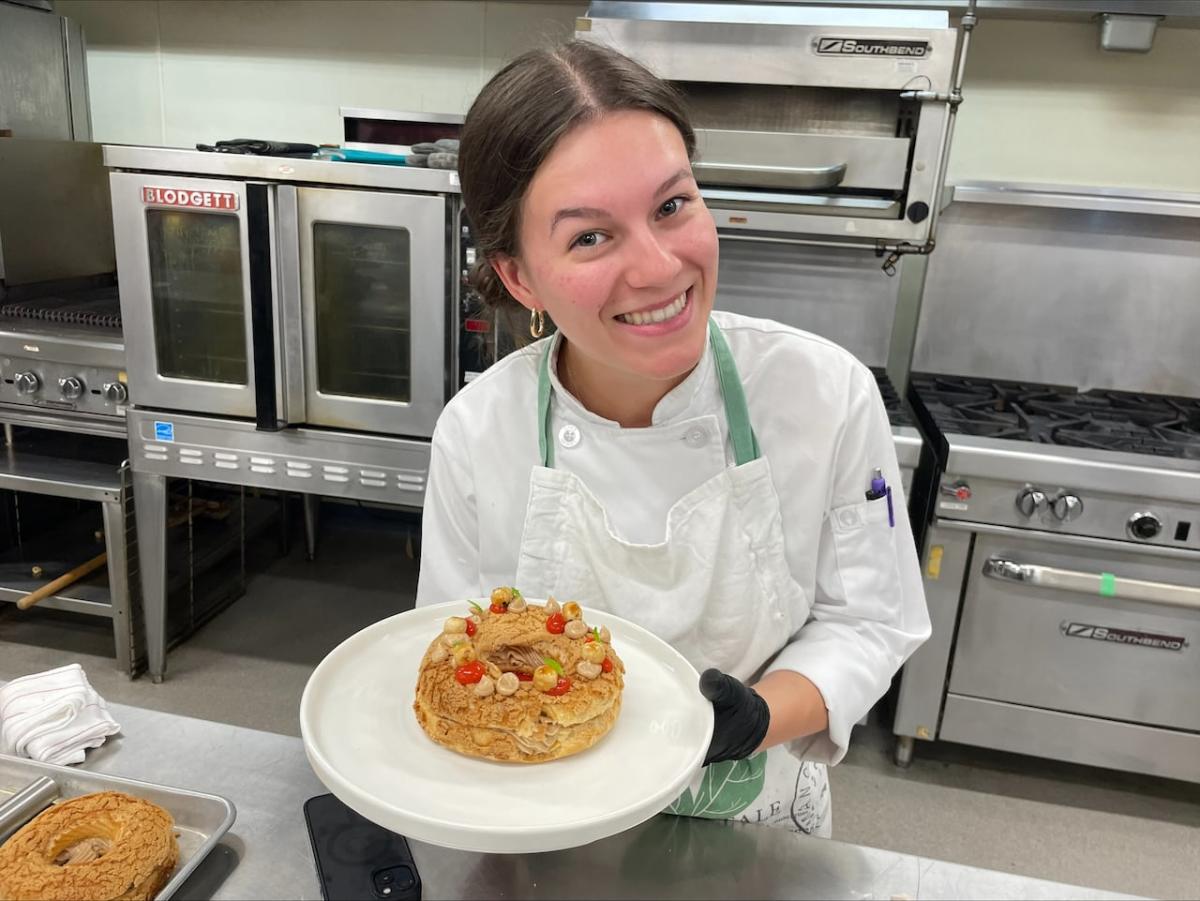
column 373, row 288
column 195, row 268
column 1090, row 629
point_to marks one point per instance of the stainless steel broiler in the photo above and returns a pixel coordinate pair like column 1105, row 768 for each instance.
column 816, row 122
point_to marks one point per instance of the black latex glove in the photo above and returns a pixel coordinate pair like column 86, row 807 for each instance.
column 740, row 717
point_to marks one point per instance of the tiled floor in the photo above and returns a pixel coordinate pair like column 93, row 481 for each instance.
column 249, row 666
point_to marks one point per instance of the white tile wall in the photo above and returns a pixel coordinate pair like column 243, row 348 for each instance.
column 179, row 72
column 1043, row 102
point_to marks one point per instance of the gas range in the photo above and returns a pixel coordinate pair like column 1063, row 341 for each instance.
column 1103, row 463
column 1061, row 567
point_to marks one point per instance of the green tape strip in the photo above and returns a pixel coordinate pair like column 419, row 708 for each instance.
column 1108, row 584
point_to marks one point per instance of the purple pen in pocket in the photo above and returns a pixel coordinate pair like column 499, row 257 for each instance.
column 878, row 486
column 881, row 489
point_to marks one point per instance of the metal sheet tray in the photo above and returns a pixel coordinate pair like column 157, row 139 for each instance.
column 200, row 819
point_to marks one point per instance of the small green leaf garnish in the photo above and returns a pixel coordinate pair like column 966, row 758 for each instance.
column 553, row 664
column 476, row 608
column 516, row 593
column 596, row 633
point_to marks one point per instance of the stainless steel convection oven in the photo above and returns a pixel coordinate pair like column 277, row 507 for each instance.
column 291, row 324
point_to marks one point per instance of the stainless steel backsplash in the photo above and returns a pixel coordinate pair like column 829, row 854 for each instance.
column 839, row 294
column 1089, row 299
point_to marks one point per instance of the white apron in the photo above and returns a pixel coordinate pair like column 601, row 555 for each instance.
column 718, row 589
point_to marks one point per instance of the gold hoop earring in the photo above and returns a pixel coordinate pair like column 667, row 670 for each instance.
column 537, row 323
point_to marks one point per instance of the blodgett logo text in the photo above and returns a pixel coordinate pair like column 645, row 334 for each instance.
column 858, row 47
column 1124, row 636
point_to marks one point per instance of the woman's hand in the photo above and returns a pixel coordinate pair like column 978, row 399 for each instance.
column 782, row 706
column 740, row 717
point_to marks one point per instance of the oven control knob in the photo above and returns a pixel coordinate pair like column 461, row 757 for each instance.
column 71, row 387
column 1144, row 526
column 27, row 382
column 115, row 393
column 1031, row 501
column 1066, row 507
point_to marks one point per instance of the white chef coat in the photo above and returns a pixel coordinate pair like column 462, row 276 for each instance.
column 819, row 420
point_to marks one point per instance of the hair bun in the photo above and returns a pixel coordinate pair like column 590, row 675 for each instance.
column 487, row 284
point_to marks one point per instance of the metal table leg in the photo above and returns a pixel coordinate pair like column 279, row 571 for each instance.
column 904, row 750
column 150, row 501
column 312, row 515
column 118, row 581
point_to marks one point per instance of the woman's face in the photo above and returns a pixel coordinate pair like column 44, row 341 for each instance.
column 617, row 246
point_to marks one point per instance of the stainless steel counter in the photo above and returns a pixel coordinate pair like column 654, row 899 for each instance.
column 275, row 168
column 267, row 854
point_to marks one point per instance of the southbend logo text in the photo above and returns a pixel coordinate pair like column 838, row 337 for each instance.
column 1124, row 636
column 869, row 47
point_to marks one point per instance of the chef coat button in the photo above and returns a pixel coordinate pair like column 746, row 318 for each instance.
column 569, row 436
column 696, row 436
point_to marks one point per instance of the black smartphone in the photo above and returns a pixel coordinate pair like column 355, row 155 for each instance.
column 356, row 859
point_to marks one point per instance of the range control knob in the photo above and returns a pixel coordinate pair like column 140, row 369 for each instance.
column 115, row 393
column 27, row 382
column 1031, row 501
column 1144, row 526
column 71, row 387
column 1066, row 507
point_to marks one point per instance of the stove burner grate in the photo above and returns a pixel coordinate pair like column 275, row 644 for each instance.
column 1153, row 424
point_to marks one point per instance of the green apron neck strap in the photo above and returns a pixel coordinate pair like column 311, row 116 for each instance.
column 737, row 414
column 745, row 445
column 545, row 445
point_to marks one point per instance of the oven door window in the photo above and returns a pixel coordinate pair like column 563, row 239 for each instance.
column 364, row 311
column 197, row 295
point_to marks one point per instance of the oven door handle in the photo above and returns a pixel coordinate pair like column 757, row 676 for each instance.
column 1103, row 584
column 818, row 177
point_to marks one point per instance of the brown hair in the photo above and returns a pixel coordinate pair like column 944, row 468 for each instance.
column 518, row 118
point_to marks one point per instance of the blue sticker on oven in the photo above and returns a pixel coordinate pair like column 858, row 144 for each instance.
column 1124, row 636
column 164, row 431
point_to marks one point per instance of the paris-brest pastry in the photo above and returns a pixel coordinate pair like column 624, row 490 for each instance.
column 106, row 846
column 519, row 682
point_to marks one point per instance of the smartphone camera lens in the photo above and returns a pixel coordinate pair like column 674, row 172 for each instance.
column 393, row 881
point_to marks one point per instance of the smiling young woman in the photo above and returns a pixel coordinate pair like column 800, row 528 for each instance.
column 623, row 461
column 627, row 270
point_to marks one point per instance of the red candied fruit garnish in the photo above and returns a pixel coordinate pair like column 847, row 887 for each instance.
column 471, row 627
column 470, row 673
column 563, row 686
column 607, row 665
column 555, row 623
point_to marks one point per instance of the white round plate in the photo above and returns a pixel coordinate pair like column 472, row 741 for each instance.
column 364, row 743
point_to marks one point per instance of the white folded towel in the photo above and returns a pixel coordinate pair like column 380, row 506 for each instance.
column 53, row 717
